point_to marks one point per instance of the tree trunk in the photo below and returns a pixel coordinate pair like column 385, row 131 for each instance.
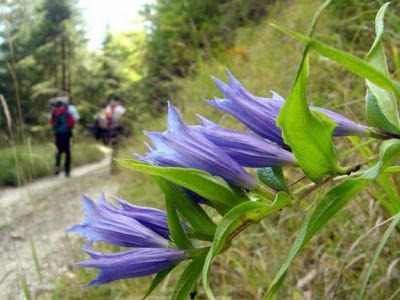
column 63, row 63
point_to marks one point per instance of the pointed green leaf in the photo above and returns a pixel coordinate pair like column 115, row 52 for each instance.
column 210, row 187
column 381, row 104
column 309, row 134
column 235, row 221
column 156, row 281
column 188, row 208
column 188, row 280
column 176, row 229
column 388, row 152
column 330, row 204
column 375, row 114
column 350, row 62
column 273, row 177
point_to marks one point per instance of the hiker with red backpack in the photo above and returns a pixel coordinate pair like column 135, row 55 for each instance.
column 63, row 118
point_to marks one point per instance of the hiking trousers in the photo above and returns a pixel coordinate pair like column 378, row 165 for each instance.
column 63, row 142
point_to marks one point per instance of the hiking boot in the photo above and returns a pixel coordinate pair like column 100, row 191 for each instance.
column 57, row 171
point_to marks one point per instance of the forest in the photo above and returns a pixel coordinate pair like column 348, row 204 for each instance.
column 323, row 220
column 44, row 51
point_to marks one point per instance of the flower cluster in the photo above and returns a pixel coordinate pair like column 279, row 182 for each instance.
column 224, row 152
column 181, row 146
column 259, row 114
column 209, row 147
column 126, row 225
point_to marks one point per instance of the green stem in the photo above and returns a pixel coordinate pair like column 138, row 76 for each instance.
column 194, row 252
column 308, row 189
column 264, row 191
column 392, row 169
column 383, row 135
column 350, row 171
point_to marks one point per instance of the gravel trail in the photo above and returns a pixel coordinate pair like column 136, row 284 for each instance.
column 38, row 214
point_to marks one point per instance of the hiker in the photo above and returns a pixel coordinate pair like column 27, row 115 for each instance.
column 114, row 112
column 110, row 121
column 64, row 97
column 63, row 119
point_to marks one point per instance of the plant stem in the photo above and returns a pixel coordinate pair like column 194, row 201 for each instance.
column 194, row 252
column 263, row 191
column 352, row 172
column 383, row 135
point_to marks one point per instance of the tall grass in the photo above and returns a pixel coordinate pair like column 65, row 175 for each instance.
column 39, row 160
column 35, row 258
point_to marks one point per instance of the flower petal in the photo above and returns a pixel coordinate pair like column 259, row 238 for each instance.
column 111, row 226
column 131, row 263
column 246, row 149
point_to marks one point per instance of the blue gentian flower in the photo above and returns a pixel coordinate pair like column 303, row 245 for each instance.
column 103, row 224
column 152, row 218
column 180, row 146
column 119, row 225
column 259, row 114
column 131, row 263
column 247, row 149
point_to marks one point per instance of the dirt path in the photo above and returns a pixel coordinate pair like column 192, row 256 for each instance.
column 41, row 212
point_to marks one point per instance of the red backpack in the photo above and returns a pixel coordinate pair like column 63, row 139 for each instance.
column 61, row 120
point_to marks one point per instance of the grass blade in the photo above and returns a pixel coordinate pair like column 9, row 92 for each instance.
column 36, row 259
column 378, row 251
column 24, row 285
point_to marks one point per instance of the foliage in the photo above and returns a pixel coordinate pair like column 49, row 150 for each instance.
column 182, row 33
column 39, row 53
column 43, row 51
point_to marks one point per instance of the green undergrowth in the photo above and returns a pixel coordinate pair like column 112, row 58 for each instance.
column 37, row 161
column 333, row 264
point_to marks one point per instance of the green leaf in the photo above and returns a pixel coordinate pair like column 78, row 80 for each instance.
column 156, row 281
column 388, row 152
column 330, row 204
column 350, row 62
column 188, row 280
column 381, row 104
column 215, row 189
column 188, row 208
column 176, row 229
column 234, row 222
column 378, row 251
column 273, row 177
column 309, row 134
column 377, row 115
